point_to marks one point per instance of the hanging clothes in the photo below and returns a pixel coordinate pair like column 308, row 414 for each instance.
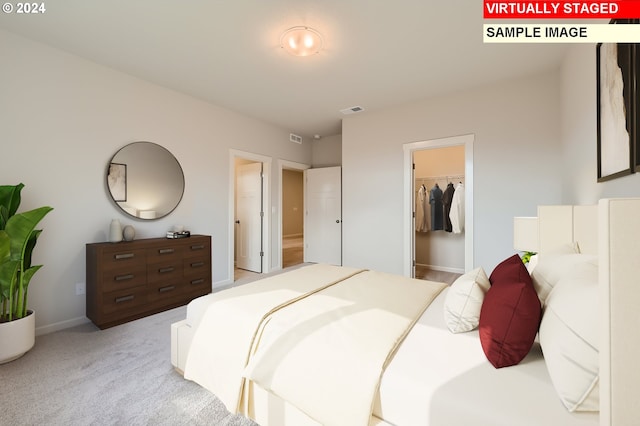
column 457, row 209
column 422, row 216
column 447, row 198
column 437, row 208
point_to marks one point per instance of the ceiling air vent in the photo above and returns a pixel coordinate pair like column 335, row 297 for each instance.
column 351, row 110
column 295, row 138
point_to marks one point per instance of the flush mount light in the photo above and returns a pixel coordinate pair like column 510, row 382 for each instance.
column 301, row 41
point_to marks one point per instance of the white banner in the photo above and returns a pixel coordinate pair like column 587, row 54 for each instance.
column 561, row 33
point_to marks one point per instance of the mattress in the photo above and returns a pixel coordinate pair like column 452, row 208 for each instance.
column 440, row 378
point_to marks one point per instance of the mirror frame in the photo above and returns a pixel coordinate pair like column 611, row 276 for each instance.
column 121, row 169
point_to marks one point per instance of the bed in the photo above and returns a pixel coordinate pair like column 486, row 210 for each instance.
column 425, row 374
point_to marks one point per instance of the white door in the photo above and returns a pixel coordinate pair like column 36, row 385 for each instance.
column 249, row 217
column 323, row 215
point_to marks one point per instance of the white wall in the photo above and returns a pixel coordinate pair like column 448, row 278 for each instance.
column 327, row 152
column 61, row 120
column 579, row 133
column 517, row 163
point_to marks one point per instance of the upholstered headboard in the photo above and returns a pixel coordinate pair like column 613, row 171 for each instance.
column 559, row 225
column 619, row 268
column 610, row 229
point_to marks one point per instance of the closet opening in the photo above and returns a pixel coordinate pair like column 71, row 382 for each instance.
column 438, row 208
column 439, row 213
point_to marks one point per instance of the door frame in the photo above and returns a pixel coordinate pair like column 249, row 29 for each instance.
column 283, row 165
column 409, row 202
column 266, row 207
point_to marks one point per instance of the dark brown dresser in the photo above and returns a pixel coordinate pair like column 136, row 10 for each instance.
column 130, row 280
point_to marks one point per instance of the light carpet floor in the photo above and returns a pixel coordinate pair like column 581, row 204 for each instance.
column 119, row 376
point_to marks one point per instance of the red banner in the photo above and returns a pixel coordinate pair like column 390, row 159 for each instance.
column 621, row 9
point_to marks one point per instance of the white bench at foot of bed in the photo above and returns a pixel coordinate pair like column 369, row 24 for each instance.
column 181, row 337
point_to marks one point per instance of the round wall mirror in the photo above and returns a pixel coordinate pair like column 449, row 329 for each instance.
column 145, row 180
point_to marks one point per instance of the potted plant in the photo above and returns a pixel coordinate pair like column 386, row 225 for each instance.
column 17, row 240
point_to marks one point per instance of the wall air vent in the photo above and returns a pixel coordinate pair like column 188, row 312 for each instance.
column 295, row 138
column 351, row 110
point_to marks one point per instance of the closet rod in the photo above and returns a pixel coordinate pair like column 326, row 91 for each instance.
column 447, row 177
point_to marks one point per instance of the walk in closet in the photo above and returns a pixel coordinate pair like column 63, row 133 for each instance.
column 439, row 186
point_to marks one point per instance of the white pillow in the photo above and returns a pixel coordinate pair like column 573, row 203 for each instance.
column 551, row 268
column 569, row 338
column 464, row 301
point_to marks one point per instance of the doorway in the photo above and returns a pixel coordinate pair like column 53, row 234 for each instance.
column 291, row 201
column 292, row 217
column 410, row 191
column 249, row 214
column 439, row 187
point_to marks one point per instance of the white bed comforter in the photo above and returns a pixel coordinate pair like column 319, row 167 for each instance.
column 324, row 354
column 220, row 348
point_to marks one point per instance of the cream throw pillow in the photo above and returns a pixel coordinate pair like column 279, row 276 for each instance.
column 464, row 301
column 551, row 268
column 569, row 338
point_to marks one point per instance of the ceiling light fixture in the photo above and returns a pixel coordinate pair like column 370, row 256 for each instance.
column 301, row 41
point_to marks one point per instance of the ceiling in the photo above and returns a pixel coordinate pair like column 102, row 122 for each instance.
column 377, row 53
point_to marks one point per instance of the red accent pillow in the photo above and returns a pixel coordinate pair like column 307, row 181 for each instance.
column 510, row 314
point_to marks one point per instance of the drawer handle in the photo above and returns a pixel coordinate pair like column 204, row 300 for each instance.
column 124, row 277
column 166, row 251
column 197, row 264
column 123, row 256
column 197, row 247
column 165, row 270
column 167, row 288
column 198, row 281
column 124, row 298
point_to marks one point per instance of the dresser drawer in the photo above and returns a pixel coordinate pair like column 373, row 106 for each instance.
column 167, row 291
column 122, row 257
column 123, row 278
column 199, row 285
column 124, row 301
column 168, row 252
column 170, row 269
column 198, row 247
column 196, row 266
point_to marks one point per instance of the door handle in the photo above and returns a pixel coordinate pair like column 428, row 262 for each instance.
column 337, row 220
column 238, row 222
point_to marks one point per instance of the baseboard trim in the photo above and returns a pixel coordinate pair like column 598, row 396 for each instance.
column 442, row 268
column 50, row 328
column 222, row 285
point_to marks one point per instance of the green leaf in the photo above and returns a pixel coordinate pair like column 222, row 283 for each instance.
column 20, row 227
column 6, row 269
column 9, row 202
column 25, row 280
column 8, row 281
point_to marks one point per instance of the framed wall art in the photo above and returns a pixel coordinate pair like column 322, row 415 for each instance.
column 616, row 101
column 117, row 181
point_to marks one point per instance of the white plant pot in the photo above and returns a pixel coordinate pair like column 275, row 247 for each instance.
column 17, row 337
